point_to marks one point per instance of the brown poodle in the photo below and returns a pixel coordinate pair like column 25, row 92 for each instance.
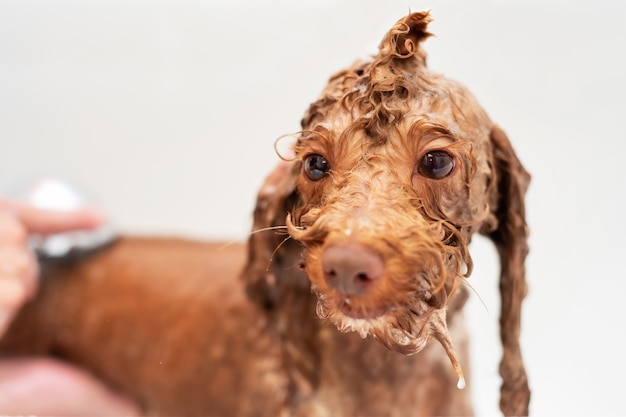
column 396, row 167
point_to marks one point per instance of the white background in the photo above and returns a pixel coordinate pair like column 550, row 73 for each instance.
column 167, row 112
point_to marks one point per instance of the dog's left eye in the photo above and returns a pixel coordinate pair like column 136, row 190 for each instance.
column 315, row 167
column 436, row 164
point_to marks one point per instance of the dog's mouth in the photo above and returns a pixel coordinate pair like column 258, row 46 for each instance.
column 351, row 307
column 401, row 329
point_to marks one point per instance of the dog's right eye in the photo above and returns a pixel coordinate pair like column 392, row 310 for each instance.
column 436, row 164
column 315, row 167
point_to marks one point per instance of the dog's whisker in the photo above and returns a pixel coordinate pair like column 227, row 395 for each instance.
column 228, row 244
column 269, row 263
column 266, row 229
column 471, row 287
column 293, row 266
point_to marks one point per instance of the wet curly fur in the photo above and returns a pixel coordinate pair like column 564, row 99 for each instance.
column 354, row 187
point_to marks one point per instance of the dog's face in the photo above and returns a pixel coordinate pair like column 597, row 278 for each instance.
column 395, row 177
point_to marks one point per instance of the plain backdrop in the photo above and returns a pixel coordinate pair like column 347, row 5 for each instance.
column 166, row 111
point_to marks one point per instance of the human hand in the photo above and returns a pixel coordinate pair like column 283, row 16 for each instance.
column 19, row 269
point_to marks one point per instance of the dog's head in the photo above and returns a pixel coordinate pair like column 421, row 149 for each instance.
column 395, row 168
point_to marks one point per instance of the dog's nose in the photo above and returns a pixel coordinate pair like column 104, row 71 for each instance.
column 351, row 269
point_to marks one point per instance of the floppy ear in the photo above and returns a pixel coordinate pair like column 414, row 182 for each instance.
column 275, row 199
column 510, row 238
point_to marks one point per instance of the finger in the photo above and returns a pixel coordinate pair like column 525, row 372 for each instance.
column 12, row 232
column 4, row 204
column 5, row 319
column 53, row 221
column 19, row 265
column 13, row 294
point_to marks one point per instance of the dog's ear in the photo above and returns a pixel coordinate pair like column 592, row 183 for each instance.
column 510, row 238
column 276, row 198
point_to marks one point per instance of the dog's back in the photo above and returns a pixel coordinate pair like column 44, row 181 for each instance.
column 165, row 321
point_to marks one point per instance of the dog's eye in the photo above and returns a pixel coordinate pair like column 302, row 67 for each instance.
column 315, row 167
column 436, row 164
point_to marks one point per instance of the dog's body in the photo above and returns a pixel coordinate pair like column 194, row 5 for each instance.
column 395, row 169
column 144, row 315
